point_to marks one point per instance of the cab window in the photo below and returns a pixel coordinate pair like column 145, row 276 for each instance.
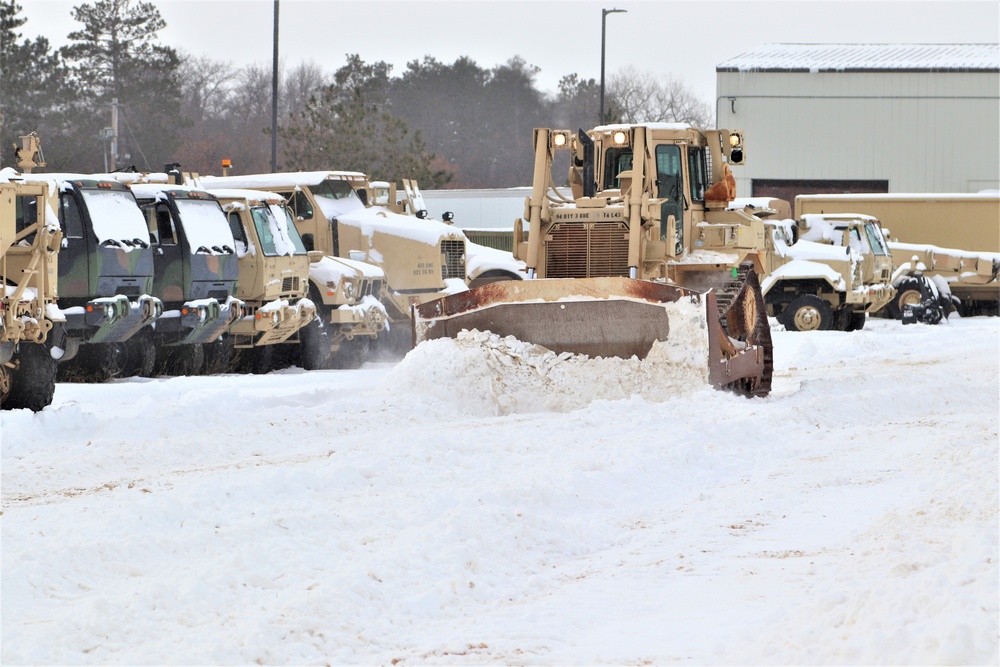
column 70, row 218
column 696, row 168
column 616, row 160
column 668, row 172
column 299, row 203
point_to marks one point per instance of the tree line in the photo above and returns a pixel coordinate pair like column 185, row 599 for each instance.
column 454, row 125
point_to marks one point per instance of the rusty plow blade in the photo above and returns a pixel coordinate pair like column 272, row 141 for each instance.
column 597, row 317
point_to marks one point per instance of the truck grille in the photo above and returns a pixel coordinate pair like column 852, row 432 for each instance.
column 290, row 284
column 453, row 259
column 590, row 250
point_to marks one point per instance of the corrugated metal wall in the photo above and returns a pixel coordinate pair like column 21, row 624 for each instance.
column 921, row 131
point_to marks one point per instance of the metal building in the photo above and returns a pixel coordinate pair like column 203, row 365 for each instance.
column 823, row 118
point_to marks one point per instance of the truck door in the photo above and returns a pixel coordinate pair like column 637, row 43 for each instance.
column 75, row 279
column 170, row 279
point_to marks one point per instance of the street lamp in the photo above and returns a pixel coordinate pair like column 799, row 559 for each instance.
column 604, row 21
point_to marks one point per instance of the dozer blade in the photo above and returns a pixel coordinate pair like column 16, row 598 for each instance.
column 597, row 317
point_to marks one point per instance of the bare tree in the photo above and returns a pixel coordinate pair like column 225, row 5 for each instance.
column 643, row 97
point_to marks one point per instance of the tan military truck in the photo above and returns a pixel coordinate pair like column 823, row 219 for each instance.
column 648, row 225
column 348, row 296
column 29, row 240
column 826, row 272
column 421, row 262
column 273, row 283
column 946, row 247
column 483, row 265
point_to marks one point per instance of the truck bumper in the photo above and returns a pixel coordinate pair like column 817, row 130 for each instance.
column 113, row 319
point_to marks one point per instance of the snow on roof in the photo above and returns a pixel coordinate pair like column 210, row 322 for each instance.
column 281, row 180
column 866, row 58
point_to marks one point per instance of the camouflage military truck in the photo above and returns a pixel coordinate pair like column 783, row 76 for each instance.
column 195, row 267
column 421, row 262
column 273, row 283
column 29, row 317
column 105, row 275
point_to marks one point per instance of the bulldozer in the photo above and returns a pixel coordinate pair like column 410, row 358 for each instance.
column 648, row 223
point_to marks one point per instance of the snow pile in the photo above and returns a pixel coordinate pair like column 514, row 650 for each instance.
column 486, row 374
column 327, row 517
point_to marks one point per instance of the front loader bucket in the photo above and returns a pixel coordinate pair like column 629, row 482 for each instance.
column 597, row 317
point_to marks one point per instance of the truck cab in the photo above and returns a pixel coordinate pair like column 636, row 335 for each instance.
column 105, row 271
column 273, row 277
column 826, row 271
column 194, row 257
column 421, row 262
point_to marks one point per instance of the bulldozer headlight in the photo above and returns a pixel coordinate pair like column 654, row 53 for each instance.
column 734, row 140
column 560, row 139
column 620, row 138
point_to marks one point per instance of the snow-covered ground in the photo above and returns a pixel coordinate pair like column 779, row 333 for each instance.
column 475, row 504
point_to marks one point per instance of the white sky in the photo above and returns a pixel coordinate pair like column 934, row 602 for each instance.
column 687, row 39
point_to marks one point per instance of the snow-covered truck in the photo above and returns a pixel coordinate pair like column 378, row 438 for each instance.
column 273, row 284
column 826, row 271
column 421, row 262
column 29, row 317
column 484, row 264
column 945, row 247
column 105, row 274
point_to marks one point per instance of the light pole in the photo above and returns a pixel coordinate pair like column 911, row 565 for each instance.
column 274, row 95
column 604, row 22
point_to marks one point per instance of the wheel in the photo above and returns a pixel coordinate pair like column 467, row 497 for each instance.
column 909, row 292
column 855, row 321
column 257, row 360
column 314, row 346
column 180, row 360
column 352, row 353
column 5, row 379
column 32, row 384
column 218, row 356
column 808, row 313
column 140, row 355
column 95, row 362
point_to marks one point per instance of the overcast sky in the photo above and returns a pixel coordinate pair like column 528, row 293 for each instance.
column 685, row 39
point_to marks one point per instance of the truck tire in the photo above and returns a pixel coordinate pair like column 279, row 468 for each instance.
column 218, row 357
column 95, row 362
column 314, row 346
column 33, row 382
column 140, row 355
column 855, row 321
column 909, row 292
column 180, row 360
column 352, row 353
column 808, row 313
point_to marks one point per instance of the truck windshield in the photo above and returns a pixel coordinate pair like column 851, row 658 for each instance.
column 206, row 226
column 335, row 197
column 876, row 240
column 288, row 232
column 117, row 218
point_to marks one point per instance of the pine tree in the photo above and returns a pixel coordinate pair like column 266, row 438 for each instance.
column 348, row 126
column 115, row 57
column 31, row 85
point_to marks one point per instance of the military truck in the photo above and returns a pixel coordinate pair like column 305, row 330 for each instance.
column 484, row 264
column 105, row 276
column 826, row 271
column 273, row 284
column 946, row 247
column 348, row 296
column 421, row 262
column 648, row 224
column 195, row 272
column 29, row 317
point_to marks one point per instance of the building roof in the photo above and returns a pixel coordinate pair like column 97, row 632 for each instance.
column 866, row 58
